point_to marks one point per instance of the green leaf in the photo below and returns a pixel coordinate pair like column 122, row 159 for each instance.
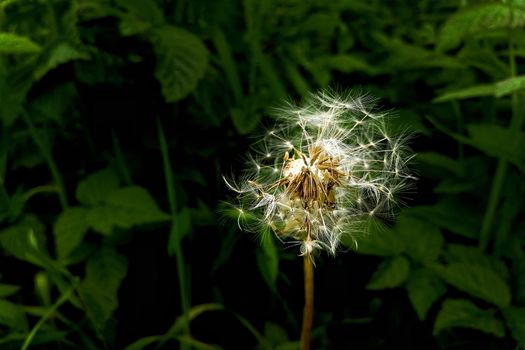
column 345, row 63
column 422, row 239
column 12, row 316
column 180, row 228
column 268, row 261
column 105, row 270
column 125, row 208
column 499, row 142
column 478, row 19
column 424, row 289
column 8, row 290
column 97, row 186
column 144, row 10
column 60, row 54
column 275, row 334
column 11, row 43
column 243, row 120
column 463, row 313
column 457, row 253
column 477, row 281
column 468, row 92
column 515, row 317
column 451, row 215
column 70, row 229
column 26, row 241
column 379, row 241
column 182, row 60
column 390, row 274
column 439, row 160
column 143, row 342
column 509, row 86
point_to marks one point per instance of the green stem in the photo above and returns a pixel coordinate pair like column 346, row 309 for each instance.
column 179, row 256
column 308, row 311
column 501, row 169
column 46, row 153
column 50, row 312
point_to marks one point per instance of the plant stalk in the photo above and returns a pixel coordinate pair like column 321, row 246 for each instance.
column 308, row 311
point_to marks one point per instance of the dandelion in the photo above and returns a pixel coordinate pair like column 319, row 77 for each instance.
column 326, row 168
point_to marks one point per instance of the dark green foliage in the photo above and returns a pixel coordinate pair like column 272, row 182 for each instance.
column 118, row 119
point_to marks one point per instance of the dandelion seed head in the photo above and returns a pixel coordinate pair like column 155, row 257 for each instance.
column 325, row 167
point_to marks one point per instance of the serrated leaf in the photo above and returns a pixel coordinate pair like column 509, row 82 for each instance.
column 268, row 261
column 499, row 142
column 515, row 317
column 144, row 10
column 12, row 316
column 450, row 215
column 60, row 54
column 97, row 186
column 105, row 271
column 477, row 281
column 463, row 313
column 424, row 289
column 14, row 44
column 101, row 219
column 8, row 290
column 70, row 229
column 478, row 19
column 182, row 60
column 423, row 241
column 379, row 241
column 457, row 253
column 390, row 274
column 125, row 208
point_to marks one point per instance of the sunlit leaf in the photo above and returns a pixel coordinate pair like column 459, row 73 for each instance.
column 424, row 289
column 390, row 273
column 14, row 44
column 477, row 281
column 463, row 313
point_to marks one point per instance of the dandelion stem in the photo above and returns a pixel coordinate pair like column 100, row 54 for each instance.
column 308, row 311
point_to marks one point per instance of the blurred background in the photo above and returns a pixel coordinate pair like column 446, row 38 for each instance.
column 119, row 117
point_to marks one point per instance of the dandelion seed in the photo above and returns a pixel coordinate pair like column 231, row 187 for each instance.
column 333, row 166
